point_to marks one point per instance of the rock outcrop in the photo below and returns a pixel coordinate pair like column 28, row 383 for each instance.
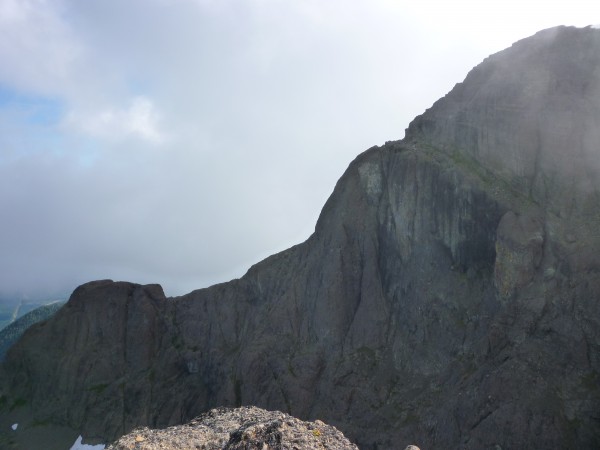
column 242, row 428
column 449, row 296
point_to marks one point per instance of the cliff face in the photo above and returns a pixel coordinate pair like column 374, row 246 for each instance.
column 449, row 295
column 531, row 114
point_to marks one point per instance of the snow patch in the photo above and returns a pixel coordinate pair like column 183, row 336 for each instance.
column 14, row 426
column 79, row 446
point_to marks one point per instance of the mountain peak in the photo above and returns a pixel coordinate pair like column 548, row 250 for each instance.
column 449, row 293
column 530, row 114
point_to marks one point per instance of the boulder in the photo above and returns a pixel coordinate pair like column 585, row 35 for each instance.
column 244, row 428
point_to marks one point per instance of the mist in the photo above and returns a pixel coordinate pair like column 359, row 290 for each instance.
column 181, row 142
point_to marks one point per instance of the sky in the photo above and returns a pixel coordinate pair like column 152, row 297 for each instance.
column 181, row 141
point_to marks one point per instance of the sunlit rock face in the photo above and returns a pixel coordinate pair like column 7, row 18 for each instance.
column 449, row 295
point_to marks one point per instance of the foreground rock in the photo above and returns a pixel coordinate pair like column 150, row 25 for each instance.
column 244, row 428
column 449, row 295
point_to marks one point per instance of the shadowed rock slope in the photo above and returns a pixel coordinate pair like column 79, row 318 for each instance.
column 449, row 296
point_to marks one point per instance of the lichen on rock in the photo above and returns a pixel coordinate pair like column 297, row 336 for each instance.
column 519, row 250
column 243, row 428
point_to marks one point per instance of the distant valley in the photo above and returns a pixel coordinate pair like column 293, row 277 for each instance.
column 11, row 310
column 12, row 331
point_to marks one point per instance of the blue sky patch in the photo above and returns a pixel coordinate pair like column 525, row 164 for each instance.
column 35, row 110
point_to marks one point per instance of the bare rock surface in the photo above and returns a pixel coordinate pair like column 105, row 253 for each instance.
column 519, row 249
column 245, row 428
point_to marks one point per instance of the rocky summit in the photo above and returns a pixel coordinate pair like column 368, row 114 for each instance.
column 449, row 296
column 244, row 428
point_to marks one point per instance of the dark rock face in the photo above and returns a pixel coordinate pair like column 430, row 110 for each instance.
column 245, row 428
column 449, row 295
column 104, row 334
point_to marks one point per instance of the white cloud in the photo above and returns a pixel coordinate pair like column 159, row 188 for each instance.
column 260, row 104
column 37, row 49
column 140, row 119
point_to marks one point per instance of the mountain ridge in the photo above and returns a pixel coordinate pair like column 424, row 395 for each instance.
column 10, row 333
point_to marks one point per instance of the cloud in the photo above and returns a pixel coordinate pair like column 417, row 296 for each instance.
column 140, row 120
column 37, row 49
column 181, row 141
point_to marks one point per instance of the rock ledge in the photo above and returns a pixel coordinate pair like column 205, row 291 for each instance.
column 236, row 429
